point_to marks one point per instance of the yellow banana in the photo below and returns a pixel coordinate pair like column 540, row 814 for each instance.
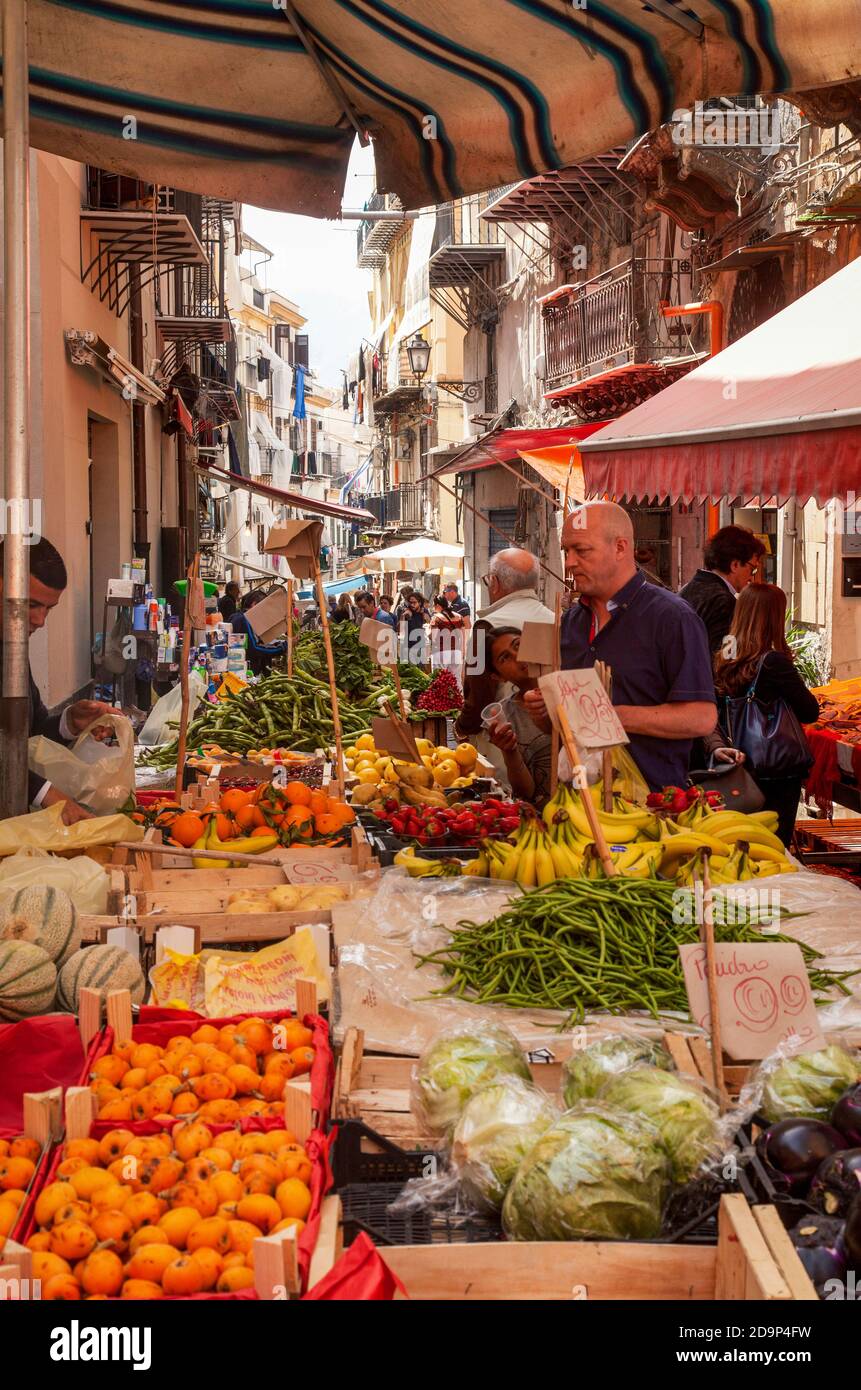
column 525, row 871
column 478, row 867
column 766, row 853
column 752, row 834
column 545, row 871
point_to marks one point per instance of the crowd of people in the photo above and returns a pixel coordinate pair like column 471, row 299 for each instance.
column 700, row 679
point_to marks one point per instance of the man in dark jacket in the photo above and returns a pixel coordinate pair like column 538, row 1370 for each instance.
column 730, row 559
column 47, row 581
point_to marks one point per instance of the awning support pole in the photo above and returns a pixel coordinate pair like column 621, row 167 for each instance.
column 15, row 720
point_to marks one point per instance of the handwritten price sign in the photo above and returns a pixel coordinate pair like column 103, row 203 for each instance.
column 594, row 722
column 764, row 997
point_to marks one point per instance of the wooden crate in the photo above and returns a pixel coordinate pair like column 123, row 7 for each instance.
column 753, row 1261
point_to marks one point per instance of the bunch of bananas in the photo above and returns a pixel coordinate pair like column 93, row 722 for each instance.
column 742, row 847
column 417, row 867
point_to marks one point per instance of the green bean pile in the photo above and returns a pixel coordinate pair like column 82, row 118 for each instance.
column 585, row 946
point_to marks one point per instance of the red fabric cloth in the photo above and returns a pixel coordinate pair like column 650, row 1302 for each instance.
column 856, row 763
column 826, row 769
column 360, row 1275
column 36, row 1054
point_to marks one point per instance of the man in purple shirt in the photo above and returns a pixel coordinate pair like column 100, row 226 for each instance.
column 654, row 643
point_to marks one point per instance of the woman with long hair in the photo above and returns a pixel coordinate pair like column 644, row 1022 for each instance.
column 756, row 658
column 446, row 634
column 525, row 748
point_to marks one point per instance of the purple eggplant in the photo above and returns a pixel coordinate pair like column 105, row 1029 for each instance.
column 792, row 1150
column 846, row 1115
column 819, row 1243
column 852, row 1236
column 836, row 1182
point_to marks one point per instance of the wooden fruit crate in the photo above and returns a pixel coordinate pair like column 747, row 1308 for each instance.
column 752, row 1261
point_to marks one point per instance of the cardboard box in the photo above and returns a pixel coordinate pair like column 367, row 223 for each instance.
column 299, row 542
column 268, row 618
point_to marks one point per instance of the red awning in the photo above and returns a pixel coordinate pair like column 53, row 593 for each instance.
column 776, row 414
column 290, row 499
column 502, row 446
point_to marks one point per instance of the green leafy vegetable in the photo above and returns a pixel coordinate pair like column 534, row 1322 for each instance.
column 587, row 1071
column 497, row 1128
column 809, row 1084
column 457, row 1062
column 685, row 1117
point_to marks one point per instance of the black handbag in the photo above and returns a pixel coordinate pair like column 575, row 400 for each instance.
column 768, row 733
column 735, row 784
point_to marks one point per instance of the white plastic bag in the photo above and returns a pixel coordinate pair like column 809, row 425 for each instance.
column 101, row 778
column 162, row 725
column 85, row 881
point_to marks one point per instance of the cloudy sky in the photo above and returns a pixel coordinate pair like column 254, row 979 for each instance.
column 314, row 264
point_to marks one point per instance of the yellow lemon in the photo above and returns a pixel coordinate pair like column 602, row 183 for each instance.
column 445, row 772
column 465, row 756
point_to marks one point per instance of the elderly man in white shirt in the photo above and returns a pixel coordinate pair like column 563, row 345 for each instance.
column 511, row 583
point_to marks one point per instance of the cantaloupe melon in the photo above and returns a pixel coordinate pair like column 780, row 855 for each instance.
column 44, row 916
column 102, row 968
column 28, row 980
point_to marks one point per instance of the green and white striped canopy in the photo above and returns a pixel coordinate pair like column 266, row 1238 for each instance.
column 258, row 100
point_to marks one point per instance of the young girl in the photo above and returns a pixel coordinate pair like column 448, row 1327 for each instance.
column 446, row 633
column 525, row 747
column 763, row 658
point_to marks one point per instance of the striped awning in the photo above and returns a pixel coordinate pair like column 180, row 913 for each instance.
column 259, row 100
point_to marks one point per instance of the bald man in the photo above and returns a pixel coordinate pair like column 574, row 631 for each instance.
column 654, row 643
column 511, row 582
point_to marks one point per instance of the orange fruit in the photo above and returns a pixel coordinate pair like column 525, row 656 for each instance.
column 212, row 1231
column 326, row 824
column 73, row 1211
column 260, row 1210
column 144, row 1054
column 273, row 1139
column 219, row 1112
column 198, row 1195
column 233, row 801
column 86, row 1181
column 272, row 1085
column 211, row 1263
column 118, row 1111
column 297, row 794
column 15, row 1172
column 111, row 1068
column 237, row 1259
column 73, row 1240
column 206, row 1033
column 70, row 1166
column 40, row 1241
column 61, row 1287
column 148, row 1235
column 255, row 1033
column 292, row 1034
column 294, row 1198
column 303, row 819
column 222, row 1158
column 238, row 1277
column 229, row 1139
column 296, row 1166
column 244, row 1078
column 141, row 1289
column 150, row 1262
column 51, row 1199
column 113, row 1145
column 134, row 1079
column 227, row 1186
column 114, row 1226
column 185, row 1103
column 102, row 1273
column 250, row 818
column 46, row 1265
column 177, row 1223
column 318, row 802
column 190, row 1138
column 187, row 829
column 244, row 1233
column 303, row 1059
column 144, row 1209
column 289, row 1222
column 185, row 1276
column 8, row 1218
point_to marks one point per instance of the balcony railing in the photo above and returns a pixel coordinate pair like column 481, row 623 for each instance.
column 461, row 224
column 374, row 238
column 401, row 508
column 615, row 320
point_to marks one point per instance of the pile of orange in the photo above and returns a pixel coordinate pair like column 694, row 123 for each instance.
column 311, row 813
column 144, row 1217
column 18, row 1159
column 215, row 1074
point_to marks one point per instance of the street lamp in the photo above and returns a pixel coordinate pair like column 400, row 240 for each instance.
column 418, row 352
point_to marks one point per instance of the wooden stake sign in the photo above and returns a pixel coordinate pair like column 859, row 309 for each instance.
column 193, row 599
column 395, row 736
column 290, row 628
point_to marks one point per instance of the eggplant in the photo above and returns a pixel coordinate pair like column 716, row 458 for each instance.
column 819, row 1242
column 852, row 1236
column 792, row 1150
column 846, row 1115
column 836, row 1182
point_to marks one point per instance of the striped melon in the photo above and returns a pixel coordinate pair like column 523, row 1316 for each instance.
column 28, row 980
column 102, row 968
column 45, row 916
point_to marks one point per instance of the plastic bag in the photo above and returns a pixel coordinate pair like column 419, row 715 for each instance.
column 45, row 830
column 457, row 1063
column 497, row 1127
column 162, row 723
column 628, row 781
column 85, row 881
column 795, row 1082
column 101, row 778
column 681, row 1109
column 265, row 980
column 587, row 1070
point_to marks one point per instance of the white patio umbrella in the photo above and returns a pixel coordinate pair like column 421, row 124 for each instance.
column 416, row 556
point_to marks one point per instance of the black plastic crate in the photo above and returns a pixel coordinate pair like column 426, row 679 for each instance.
column 368, row 1183
column 766, row 1192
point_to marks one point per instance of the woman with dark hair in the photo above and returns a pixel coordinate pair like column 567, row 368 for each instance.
column 343, row 610
column 759, row 662
column 446, row 633
column 525, row 748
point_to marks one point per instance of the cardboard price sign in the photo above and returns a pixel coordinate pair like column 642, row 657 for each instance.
column 381, row 640
column 764, row 997
column 299, row 543
column 396, row 737
column 593, row 720
column 539, row 647
column 304, row 866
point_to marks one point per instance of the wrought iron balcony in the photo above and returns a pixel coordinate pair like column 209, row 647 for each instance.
column 402, row 508
column 373, row 238
column 467, row 255
column 614, row 322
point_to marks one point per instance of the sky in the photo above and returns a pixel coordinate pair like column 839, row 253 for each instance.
column 314, row 264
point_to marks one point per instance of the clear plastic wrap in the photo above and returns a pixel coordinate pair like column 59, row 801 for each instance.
column 498, row 1126
column 685, row 1115
column 85, row 881
column 457, row 1063
column 794, row 1084
column 586, row 1071
column 596, row 1173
